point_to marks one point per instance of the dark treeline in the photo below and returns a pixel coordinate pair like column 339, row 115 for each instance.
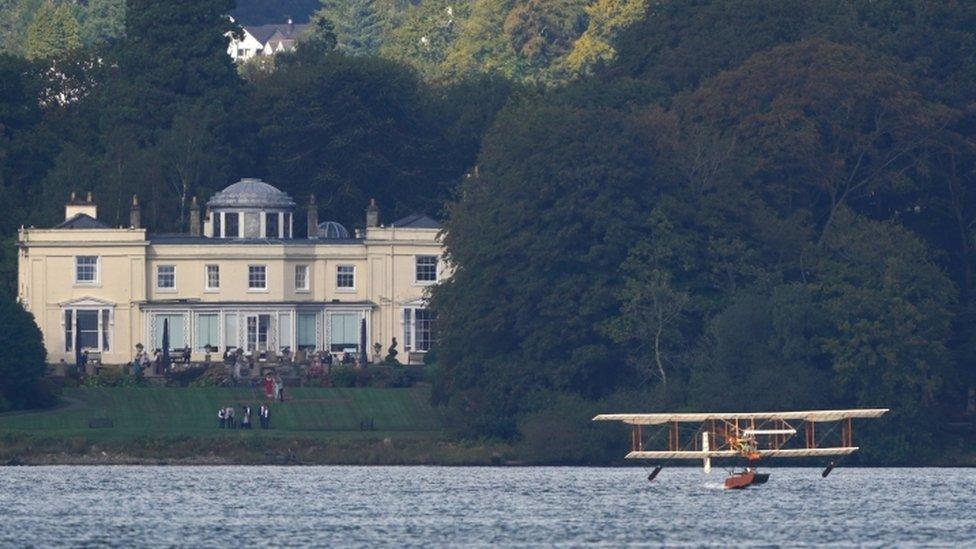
column 169, row 120
column 760, row 205
column 755, row 205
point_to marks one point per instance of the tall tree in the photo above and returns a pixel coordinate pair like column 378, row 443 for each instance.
column 826, row 126
column 349, row 129
column 102, row 20
column 158, row 74
column 152, row 87
column 53, row 32
column 537, row 238
column 607, row 19
column 359, row 24
column 542, row 31
column 891, row 307
column 427, row 34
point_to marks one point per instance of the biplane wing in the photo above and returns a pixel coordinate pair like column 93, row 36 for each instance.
column 783, row 453
column 747, row 435
column 812, row 416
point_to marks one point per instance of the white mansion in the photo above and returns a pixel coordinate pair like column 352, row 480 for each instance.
column 239, row 279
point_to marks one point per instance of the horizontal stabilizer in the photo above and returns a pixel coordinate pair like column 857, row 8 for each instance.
column 748, row 432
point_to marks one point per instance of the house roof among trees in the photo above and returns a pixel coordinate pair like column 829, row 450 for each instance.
column 263, row 33
column 81, row 221
column 417, row 221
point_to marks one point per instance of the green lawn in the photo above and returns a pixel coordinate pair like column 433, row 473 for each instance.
column 152, row 412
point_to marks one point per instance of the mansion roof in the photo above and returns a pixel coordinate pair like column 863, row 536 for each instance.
column 417, row 221
column 197, row 240
column 81, row 221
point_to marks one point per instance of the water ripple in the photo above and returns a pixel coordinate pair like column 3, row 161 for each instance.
column 435, row 506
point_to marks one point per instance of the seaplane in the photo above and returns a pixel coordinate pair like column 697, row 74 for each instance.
column 746, row 437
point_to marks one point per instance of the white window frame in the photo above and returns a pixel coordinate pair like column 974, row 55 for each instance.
column 360, row 316
column 195, row 345
column 416, row 266
column 409, row 330
column 251, row 288
column 98, row 272
column 317, row 329
column 166, row 288
column 303, row 268
column 351, row 288
column 206, row 277
column 105, row 333
column 269, row 333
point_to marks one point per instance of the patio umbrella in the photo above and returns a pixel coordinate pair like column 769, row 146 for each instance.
column 362, row 343
column 165, row 359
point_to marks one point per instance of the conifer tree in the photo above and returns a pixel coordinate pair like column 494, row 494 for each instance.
column 53, row 32
column 358, row 24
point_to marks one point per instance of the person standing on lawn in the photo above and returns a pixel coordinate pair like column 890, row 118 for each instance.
column 222, row 417
column 269, row 390
column 280, row 389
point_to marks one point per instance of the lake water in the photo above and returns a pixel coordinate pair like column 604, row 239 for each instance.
column 247, row 506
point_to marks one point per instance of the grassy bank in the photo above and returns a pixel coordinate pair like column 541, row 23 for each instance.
column 325, row 413
column 171, row 425
column 314, row 426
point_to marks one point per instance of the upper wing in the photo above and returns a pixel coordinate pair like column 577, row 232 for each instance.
column 785, row 453
column 812, row 415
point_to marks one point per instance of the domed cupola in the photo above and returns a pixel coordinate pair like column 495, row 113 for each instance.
column 330, row 230
column 250, row 208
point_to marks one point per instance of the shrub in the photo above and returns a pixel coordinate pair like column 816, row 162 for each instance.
column 216, row 375
column 343, row 376
column 560, row 431
column 363, row 377
column 22, row 358
column 184, row 377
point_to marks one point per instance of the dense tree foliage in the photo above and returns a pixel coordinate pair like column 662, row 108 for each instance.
column 349, row 129
column 48, row 28
column 703, row 205
column 263, row 12
column 22, row 360
column 799, row 233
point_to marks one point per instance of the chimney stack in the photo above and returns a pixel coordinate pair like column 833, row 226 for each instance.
column 135, row 213
column 313, row 217
column 194, row 218
column 372, row 214
column 77, row 206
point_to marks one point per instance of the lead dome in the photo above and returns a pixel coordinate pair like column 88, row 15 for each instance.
column 251, row 193
column 250, row 209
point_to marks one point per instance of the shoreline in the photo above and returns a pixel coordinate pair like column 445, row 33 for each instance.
column 23, row 449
